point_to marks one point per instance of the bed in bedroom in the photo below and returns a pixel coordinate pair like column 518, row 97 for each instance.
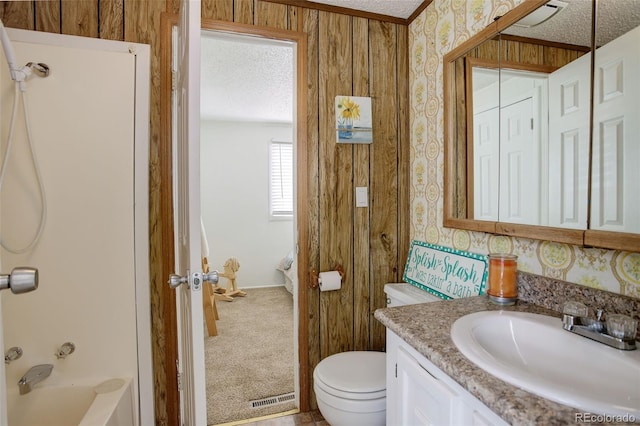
column 288, row 268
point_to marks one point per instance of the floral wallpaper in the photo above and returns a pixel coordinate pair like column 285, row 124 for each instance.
column 442, row 26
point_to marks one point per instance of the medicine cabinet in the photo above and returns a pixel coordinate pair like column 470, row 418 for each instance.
column 541, row 118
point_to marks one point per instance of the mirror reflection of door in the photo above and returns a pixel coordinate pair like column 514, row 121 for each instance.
column 486, row 168
column 486, row 146
column 510, row 146
column 569, row 108
column 519, row 164
column 615, row 200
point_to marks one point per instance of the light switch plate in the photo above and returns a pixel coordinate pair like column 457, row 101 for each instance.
column 362, row 196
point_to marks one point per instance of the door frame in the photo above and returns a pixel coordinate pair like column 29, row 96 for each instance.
column 165, row 367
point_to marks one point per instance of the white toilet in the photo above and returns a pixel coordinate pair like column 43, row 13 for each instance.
column 350, row 387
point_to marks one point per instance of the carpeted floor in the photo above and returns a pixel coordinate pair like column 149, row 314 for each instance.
column 251, row 358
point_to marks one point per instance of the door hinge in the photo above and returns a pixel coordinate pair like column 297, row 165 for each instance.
column 396, row 372
column 532, row 124
column 179, row 375
column 173, row 80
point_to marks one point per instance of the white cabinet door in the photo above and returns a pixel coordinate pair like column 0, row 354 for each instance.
column 420, row 394
column 423, row 399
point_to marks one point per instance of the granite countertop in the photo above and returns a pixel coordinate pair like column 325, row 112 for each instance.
column 426, row 327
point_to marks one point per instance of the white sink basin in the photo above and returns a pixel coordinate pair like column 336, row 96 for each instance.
column 534, row 353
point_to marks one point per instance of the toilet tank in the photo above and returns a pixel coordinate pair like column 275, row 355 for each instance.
column 399, row 294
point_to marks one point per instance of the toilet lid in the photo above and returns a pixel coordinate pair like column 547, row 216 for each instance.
column 356, row 372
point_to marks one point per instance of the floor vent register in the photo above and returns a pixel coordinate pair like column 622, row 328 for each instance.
column 272, row 400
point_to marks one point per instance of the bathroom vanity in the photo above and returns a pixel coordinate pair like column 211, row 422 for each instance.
column 418, row 392
column 428, row 377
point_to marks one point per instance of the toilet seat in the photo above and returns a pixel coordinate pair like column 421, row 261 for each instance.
column 356, row 375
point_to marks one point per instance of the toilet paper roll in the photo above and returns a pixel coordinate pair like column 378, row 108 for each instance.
column 330, row 280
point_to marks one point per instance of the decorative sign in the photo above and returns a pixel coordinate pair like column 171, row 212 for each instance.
column 445, row 272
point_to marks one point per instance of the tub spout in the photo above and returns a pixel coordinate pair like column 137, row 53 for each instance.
column 35, row 375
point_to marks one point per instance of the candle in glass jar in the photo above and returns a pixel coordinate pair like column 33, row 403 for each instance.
column 503, row 272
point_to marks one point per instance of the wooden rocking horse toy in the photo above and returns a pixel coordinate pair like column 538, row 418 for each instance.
column 231, row 266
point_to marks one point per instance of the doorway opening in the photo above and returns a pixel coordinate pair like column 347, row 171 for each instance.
column 247, row 208
column 300, row 217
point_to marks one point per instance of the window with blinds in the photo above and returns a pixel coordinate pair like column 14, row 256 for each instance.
column 281, row 179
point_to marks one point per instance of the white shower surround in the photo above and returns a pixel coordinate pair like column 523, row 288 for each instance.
column 93, row 155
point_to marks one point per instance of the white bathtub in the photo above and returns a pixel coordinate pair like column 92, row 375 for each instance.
column 109, row 403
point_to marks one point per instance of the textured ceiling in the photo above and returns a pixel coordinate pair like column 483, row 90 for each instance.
column 245, row 78
column 571, row 25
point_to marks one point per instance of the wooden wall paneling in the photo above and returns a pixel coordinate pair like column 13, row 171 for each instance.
column 271, row 15
column 17, row 14
column 531, row 53
column 361, row 230
column 336, row 208
column 384, row 157
column 490, row 49
column 222, row 10
column 510, row 51
column 163, row 302
column 172, row 7
column 404, row 149
column 310, row 27
column 112, row 19
column 48, row 16
column 243, row 11
column 296, row 18
column 344, row 10
column 145, row 22
column 80, row 17
column 555, row 56
column 460, row 134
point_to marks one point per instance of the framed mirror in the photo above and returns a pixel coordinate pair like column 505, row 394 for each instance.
column 518, row 127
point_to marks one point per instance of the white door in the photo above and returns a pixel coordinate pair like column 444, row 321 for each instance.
column 486, row 152
column 569, row 107
column 519, row 164
column 615, row 199
column 190, row 331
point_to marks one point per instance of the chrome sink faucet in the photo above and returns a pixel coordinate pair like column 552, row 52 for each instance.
column 35, row 375
column 618, row 331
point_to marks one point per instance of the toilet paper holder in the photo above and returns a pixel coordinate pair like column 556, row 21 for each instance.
column 314, row 276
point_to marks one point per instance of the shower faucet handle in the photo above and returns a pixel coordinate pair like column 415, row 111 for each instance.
column 12, row 354
column 22, row 279
column 65, row 350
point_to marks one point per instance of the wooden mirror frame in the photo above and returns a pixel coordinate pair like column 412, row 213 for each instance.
column 452, row 185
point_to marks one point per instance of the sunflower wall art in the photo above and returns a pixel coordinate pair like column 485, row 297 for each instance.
column 353, row 120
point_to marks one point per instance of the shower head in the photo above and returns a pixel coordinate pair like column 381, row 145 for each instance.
column 8, row 51
column 19, row 74
column 41, row 69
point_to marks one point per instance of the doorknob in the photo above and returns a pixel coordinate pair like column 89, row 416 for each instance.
column 21, row 280
column 212, row 277
column 197, row 279
column 175, row 280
